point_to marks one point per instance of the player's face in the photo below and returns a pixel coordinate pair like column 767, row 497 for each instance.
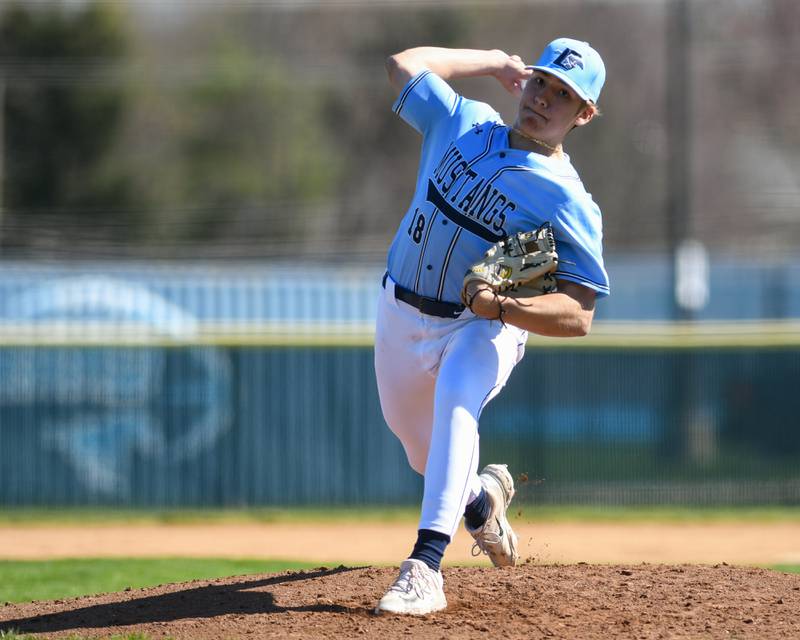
column 549, row 108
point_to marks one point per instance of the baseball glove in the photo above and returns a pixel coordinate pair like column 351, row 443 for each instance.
column 521, row 264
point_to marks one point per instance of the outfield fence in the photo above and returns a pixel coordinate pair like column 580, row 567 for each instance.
column 116, row 394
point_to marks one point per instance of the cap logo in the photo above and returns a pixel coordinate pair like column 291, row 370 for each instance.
column 569, row 59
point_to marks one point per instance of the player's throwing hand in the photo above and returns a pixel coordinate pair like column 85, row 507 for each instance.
column 513, row 74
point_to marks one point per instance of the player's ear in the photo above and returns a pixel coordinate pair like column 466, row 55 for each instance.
column 585, row 115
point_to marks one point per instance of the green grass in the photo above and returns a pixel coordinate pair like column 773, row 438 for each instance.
column 24, row 580
column 665, row 514
column 520, row 512
column 100, row 515
column 787, row 568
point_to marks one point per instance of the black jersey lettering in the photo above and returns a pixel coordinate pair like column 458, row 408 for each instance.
column 467, row 201
column 455, row 174
column 499, row 224
column 469, row 175
column 452, row 156
column 493, row 208
column 459, row 218
column 483, row 201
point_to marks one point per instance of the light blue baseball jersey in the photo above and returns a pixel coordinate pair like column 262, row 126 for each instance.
column 473, row 190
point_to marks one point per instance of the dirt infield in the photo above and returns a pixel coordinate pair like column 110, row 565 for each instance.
column 532, row 601
column 543, row 598
column 363, row 543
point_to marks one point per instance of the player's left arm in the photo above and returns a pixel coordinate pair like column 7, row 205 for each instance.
column 562, row 314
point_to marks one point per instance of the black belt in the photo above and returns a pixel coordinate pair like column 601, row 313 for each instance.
column 428, row 306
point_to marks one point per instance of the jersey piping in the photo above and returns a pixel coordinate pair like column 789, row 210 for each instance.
column 448, row 255
column 582, row 279
column 408, row 90
column 489, row 142
column 423, row 248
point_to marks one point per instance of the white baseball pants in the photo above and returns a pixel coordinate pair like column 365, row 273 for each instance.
column 435, row 376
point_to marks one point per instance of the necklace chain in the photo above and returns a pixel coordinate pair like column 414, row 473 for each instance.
column 541, row 143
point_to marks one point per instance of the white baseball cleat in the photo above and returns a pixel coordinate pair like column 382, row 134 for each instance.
column 496, row 538
column 418, row 590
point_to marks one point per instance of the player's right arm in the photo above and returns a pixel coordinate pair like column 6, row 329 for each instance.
column 449, row 64
column 565, row 313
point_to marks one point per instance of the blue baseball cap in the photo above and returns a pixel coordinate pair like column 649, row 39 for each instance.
column 575, row 63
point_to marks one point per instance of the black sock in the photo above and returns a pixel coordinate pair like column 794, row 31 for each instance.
column 478, row 511
column 430, row 547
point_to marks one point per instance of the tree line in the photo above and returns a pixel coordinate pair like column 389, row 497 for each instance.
column 247, row 131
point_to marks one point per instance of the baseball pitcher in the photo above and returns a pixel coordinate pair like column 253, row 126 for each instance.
column 500, row 239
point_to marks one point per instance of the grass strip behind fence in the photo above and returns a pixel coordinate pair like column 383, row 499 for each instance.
column 519, row 512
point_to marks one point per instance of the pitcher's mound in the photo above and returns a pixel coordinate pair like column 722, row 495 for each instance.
column 531, row 601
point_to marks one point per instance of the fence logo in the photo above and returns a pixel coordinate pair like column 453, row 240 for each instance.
column 569, row 59
column 109, row 409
